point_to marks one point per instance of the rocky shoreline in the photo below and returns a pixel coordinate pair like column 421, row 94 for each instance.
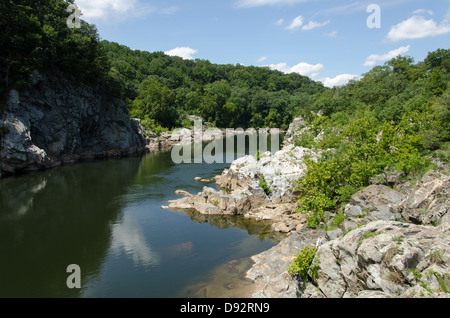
column 393, row 241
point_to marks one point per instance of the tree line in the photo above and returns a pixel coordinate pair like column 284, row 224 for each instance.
column 161, row 89
column 395, row 120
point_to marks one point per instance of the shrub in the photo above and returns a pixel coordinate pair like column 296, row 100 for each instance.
column 365, row 148
column 302, row 265
column 263, row 184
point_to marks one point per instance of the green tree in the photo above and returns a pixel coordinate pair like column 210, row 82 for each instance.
column 155, row 101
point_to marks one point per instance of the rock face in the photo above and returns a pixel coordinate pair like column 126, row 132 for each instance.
column 379, row 256
column 270, row 266
column 55, row 121
column 389, row 257
column 382, row 257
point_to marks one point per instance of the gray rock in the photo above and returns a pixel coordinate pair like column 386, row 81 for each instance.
column 429, row 201
column 381, row 257
column 55, row 121
column 270, row 268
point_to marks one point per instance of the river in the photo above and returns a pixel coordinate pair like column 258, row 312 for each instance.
column 106, row 217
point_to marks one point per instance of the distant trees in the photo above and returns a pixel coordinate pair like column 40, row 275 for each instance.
column 155, row 101
column 227, row 95
column 395, row 118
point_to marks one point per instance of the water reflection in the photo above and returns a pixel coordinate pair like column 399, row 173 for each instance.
column 128, row 237
column 51, row 219
column 106, row 217
column 259, row 228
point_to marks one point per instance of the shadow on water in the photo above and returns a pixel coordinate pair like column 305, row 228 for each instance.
column 51, row 219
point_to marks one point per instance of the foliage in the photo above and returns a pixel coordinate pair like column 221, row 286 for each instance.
column 391, row 119
column 233, row 96
column 155, row 101
column 263, row 184
column 302, row 265
column 35, row 36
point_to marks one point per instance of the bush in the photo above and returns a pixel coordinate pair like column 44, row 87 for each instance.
column 263, row 184
column 363, row 148
column 302, row 265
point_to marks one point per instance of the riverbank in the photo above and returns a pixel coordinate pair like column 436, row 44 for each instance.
column 392, row 240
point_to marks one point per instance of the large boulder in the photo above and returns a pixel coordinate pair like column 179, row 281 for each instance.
column 279, row 170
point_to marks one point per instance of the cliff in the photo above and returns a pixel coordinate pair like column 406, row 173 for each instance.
column 55, row 121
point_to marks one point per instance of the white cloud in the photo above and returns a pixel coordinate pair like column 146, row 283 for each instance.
column 261, row 59
column 112, row 9
column 184, row 52
column 280, row 22
column 338, row 80
column 302, row 68
column 420, row 11
column 296, row 23
column 258, row 3
column 417, row 27
column 332, row 34
column 373, row 59
column 313, row 24
column 312, row 71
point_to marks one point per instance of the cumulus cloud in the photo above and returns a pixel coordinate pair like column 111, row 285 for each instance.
column 302, row 68
column 313, row 24
column 312, row 71
column 184, row 52
column 339, row 80
column 296, row 23
column 373, row 59
column 417, row 27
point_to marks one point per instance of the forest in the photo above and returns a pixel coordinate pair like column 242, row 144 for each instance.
column 162, row 89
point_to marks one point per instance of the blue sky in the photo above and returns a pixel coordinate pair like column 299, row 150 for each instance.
column 327, row 40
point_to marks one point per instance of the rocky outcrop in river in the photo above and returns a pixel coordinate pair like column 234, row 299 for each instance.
column 393, row 240
column 54, row 121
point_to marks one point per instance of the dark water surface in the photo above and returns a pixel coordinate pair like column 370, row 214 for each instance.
column 106, row 217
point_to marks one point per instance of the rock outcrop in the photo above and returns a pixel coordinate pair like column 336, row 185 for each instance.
column 54, row 121
column 392, row 242
column 393, row 259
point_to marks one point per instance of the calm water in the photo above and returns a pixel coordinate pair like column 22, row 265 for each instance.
column 107, row 218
